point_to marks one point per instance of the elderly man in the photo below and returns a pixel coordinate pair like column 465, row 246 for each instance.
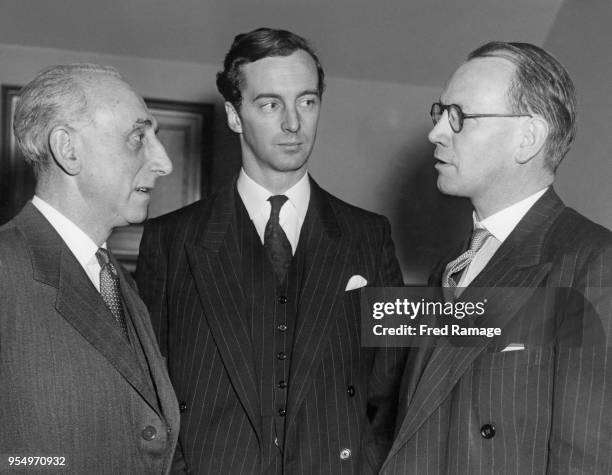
column 83, row 385
column 253, row 291
column 537, row 399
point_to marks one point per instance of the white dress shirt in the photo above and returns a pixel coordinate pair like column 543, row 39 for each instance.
column 292, row 214
column 79, row 243
column 499, row 225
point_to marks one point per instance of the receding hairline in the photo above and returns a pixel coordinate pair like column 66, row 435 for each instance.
column 94, row 86
column 511, row 73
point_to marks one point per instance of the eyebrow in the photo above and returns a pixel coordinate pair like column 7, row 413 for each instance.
column 270, row 95
column 145, row 122
column 139, row 123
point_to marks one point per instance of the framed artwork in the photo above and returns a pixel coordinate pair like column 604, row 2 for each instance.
column 16, row 177
column 185, row 130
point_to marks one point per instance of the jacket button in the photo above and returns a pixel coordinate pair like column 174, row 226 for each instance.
column 487, row 431
column 182, row 406
column 282, row 327
column 345, row 454
column 281, row 356
column 282, row 384
column 282, row 299
column 149, row 433
column 282, row 412
column 350, row 390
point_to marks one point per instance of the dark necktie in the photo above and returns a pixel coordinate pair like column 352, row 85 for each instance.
column 276, row 244
column 110, row 289
column 479, row 236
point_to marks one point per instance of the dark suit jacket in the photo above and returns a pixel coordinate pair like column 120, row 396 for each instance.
column 549, row 405
column 189, row 273
column 70, row 384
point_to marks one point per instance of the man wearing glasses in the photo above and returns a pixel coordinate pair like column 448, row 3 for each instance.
column 513, row 404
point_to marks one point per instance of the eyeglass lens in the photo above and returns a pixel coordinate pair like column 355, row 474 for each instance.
column 455, row 115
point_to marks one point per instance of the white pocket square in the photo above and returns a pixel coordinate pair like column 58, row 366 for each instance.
column 355, row 282
column 514, row 347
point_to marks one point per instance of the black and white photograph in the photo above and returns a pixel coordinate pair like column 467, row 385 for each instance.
column 324, row 237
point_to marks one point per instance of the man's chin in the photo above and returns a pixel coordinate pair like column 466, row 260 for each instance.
column 137, row 216
column 447, row 188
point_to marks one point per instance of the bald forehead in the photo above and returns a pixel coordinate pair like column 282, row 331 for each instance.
column 104, row 91
column 479, row 80
column 105, row 87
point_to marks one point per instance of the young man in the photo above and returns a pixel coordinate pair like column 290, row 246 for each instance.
column 253, row 291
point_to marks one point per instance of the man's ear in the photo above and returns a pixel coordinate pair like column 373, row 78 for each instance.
column 534, row 135
column 61, row 143
column 233, row 119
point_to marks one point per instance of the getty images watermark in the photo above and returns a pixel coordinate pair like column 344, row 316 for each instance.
column 423, row 316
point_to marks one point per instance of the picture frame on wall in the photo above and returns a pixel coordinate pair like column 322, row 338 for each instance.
column 16, row 176
column 185, row 130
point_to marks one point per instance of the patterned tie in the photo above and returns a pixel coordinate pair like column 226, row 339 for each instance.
column 109, row 288
column 276, row 244
column 479, row 236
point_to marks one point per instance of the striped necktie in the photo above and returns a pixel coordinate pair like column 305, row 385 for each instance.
column 110, row 289
column 479, row 236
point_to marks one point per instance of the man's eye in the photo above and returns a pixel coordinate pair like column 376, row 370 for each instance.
column 309, row 102
column 138, row 138
column 269, row 106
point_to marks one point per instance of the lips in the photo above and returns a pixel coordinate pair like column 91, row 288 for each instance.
column 440, row 161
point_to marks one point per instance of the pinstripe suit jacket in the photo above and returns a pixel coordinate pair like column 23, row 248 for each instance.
column 189, row 273
column 550, row 405
column 70, row 384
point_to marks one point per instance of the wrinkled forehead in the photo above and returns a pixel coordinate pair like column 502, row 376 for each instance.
column 108, row 94
column 479, row 81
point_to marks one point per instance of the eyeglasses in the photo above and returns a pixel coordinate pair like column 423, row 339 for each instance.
column 456, row 116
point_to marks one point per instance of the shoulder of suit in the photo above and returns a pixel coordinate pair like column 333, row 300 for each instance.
column 197, row 209
column 574, row 234
column 578, row 231
column 351, row 214
column 13, row 245
column 11, row 236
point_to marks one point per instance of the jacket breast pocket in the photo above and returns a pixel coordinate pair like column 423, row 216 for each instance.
column 497, row 360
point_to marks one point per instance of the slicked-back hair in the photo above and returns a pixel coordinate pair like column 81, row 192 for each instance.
column 55, row 97
column 542, row 86
column 253, row 46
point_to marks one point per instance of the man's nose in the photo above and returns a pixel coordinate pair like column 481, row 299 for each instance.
column 291, row 120
column 441, row 131
column 160, row 162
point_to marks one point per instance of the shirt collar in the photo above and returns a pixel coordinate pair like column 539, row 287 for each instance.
column 79, row 243
column 502, row 223
column 255, row 197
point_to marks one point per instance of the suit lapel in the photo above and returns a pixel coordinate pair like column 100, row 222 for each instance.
column 214, row 260
column 77, row 299
column 147, row 339
column 519, row 262
column 327, row 252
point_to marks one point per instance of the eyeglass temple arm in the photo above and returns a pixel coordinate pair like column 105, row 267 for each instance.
column 475, row 116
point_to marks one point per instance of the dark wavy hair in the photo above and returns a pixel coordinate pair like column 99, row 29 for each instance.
column 541, row 85
column 255, row 45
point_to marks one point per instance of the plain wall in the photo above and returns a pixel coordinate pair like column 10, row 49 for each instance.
column 582, row 40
